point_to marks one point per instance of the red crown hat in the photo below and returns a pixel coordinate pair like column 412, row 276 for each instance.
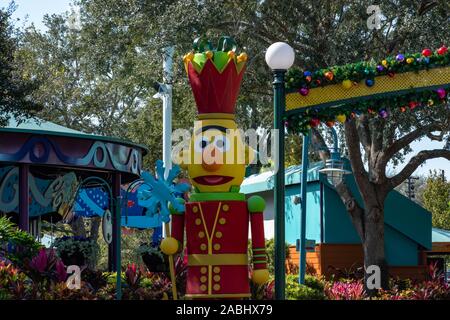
column 215, row 76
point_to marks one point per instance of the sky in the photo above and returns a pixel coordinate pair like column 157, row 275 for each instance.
column 33, row 11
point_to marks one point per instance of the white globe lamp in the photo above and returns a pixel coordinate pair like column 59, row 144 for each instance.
column 280, row 56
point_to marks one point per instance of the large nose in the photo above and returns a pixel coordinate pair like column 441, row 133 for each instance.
column 212, row 159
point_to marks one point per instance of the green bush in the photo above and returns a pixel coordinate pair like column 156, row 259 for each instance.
column 12, row 235
column 311, row 290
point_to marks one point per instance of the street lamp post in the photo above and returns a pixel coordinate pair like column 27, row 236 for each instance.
column 279, row 57
column 304, row 187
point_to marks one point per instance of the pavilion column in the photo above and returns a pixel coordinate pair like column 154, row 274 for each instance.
column 24, row 221
column 114, row 247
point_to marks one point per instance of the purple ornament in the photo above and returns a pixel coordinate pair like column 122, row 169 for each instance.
column 304, row 91
column 383, row 113
column 286, row 123
column 400, row 57
column 380, row 68
column 441, row 93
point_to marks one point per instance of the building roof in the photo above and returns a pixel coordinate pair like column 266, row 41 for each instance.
column 293, row 175
column 440, row 235
column 39, row 126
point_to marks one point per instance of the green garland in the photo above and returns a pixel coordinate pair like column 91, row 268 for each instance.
column 298, row 80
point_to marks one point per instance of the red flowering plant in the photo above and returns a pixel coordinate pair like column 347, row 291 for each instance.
column 345, row 290
column 44, row 269
column 12, row 282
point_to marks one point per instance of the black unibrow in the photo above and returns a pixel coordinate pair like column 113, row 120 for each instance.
column 203, row 129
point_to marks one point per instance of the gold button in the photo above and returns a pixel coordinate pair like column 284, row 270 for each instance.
column 201, row 234
column 195, row 209
column 203, row 279
column 217, row 246
column 218, row 234
column 198, row 221
column 222, row 220
column 203, row 246
column 216, row 269
column 225, row 207
column 203, row 287
column 216, row 287
column 216, row 277
column 203, row 270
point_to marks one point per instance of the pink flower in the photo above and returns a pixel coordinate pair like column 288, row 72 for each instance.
column 61, row 273
column 39, row 263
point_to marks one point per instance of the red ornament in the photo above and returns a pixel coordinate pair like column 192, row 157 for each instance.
column 391, row 74
column 370, row 110
column 308, row 78
column 427, row 52
column 353, row 115
column 412, row 105
column 329, row 123
column 314, row 122
column 318, row 82
column 329, row 75
column 130, row 203
column 442, row 50
column 402, row 108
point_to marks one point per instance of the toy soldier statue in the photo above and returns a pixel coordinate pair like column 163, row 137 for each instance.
column 217, row 216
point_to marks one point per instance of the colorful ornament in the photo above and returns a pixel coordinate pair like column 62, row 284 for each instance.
column 329, row 123
column 442, row 50
column 286, row 123
column 430, row 102
column 231, row 54
column 383, row 113
column 370, row 111
column 188, row 57
column 402, row 108
column 384, row 63
column 329, row 75
column 209, row 54
column 370, row 82
column 380, row 68
column 441, row 93
column 318, row 82
column 304, row 91
column 391, row 74
column 353, row 114
column 307, row 73
column 427, row 60
column 347, row 84
column 412, row 105
column 341, row 118
column 314, row 122
column 242, row 57
column 427, row 52
column 409, row 60
column 308, row 78
column 400, row 57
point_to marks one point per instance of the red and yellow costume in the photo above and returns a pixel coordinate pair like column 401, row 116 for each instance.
column 217, row 217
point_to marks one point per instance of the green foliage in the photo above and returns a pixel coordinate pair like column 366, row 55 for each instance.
column 15, row 90
column 270, row 250
column 26, row 245
column 436, row 199
column 72, row 245
column 311, row 290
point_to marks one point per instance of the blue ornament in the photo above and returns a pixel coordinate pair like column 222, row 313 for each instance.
column 427, row 60
column 400, row 57
column 370, row 82
column 155, row 194
column 307, row 73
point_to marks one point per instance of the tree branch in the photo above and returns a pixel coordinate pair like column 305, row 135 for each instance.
column 353, row 145
column 407, row 139
column 319, row 145
column 415, row 162
column 353, row 208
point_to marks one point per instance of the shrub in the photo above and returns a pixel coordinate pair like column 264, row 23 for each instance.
column 345, row 290
column 12, row 282
column 311, row 290
column 76, row 250
column 24, row 246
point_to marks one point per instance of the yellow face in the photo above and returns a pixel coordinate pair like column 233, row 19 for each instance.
column 217, row 156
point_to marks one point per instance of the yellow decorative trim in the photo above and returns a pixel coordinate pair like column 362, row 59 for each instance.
column 227, row 116
column 219, row 295
column 383, row 84
column 221, row 259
